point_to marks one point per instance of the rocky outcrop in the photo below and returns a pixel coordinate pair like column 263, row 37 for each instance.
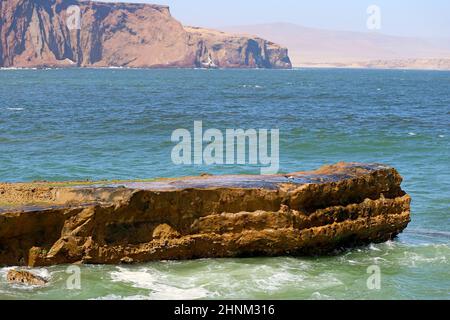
column 216, row 49
column 45, row 33
column 25, row 277
column 211, row 216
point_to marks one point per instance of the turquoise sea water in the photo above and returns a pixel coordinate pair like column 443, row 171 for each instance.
column 117, row 124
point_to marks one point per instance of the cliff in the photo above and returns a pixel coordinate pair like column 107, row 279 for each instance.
column 35, row 33
column 203, row 217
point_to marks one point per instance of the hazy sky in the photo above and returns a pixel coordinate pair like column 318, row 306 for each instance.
column 424, row 18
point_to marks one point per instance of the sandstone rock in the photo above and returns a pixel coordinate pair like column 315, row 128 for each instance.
column 126, row 260
column 36, row 34
column 300, row 213
column 164, row 231
column 25, row 277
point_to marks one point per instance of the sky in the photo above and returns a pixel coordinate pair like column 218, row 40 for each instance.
column 414, row 18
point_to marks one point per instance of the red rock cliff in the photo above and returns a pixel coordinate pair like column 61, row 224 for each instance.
column 35, row 33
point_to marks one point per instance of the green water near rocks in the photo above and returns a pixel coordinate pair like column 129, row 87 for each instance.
column 116, row 124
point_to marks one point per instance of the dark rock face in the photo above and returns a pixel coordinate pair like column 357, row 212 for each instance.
column 204, row 217
column 35, row 33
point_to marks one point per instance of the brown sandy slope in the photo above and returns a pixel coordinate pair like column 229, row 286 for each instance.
column 311, row 47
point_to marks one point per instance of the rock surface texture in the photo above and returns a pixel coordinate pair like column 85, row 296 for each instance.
column 45, row 33
column 25, row 277
column 213, row 216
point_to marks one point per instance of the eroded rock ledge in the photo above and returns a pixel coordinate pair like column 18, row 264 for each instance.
column 215, row 216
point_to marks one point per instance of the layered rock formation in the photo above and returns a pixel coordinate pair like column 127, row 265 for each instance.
column 224, row 216
column 45, row 33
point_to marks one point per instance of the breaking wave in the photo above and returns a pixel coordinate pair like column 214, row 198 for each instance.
column 153, row 280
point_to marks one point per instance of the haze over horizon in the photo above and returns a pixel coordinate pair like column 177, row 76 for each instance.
column 413, row 18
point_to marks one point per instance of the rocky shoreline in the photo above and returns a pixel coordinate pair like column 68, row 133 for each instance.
column 71, row 33
column 302, row 213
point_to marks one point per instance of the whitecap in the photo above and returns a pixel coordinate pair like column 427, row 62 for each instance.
column 4, row 271
column 390, row 244
column 374, row 248
column 10, row 68
column 320, row 296
column 412, row 134
column 41, row 272
column 154, row 281
column 118, row 297
column 414, row 258
column 166, row 292
column 378, row 259
column 251, row 86
column 277, row 281
column 15, row 109
column 16, row 68
column 324, row 281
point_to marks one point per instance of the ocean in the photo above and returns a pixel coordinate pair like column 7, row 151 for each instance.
column 93, row 124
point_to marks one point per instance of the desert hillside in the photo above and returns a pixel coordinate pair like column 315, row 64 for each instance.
column 318, row 47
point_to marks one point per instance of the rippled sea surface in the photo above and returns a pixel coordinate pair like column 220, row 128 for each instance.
column 117, row 124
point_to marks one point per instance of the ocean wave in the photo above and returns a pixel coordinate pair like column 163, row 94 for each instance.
column 41, row 272
column 252, row 86
column 16, row 68
column 320, row 296
column 413, row 259
column 396, row 253
column 276, row 280
column 295, row 273
column 374, row 247
column 153, row 280
column 119, row 297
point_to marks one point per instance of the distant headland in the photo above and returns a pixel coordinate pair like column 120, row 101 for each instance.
column 71, row 33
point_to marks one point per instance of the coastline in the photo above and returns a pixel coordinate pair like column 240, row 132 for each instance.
column 317, row 67
column 294, row 67
column 372, row 65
